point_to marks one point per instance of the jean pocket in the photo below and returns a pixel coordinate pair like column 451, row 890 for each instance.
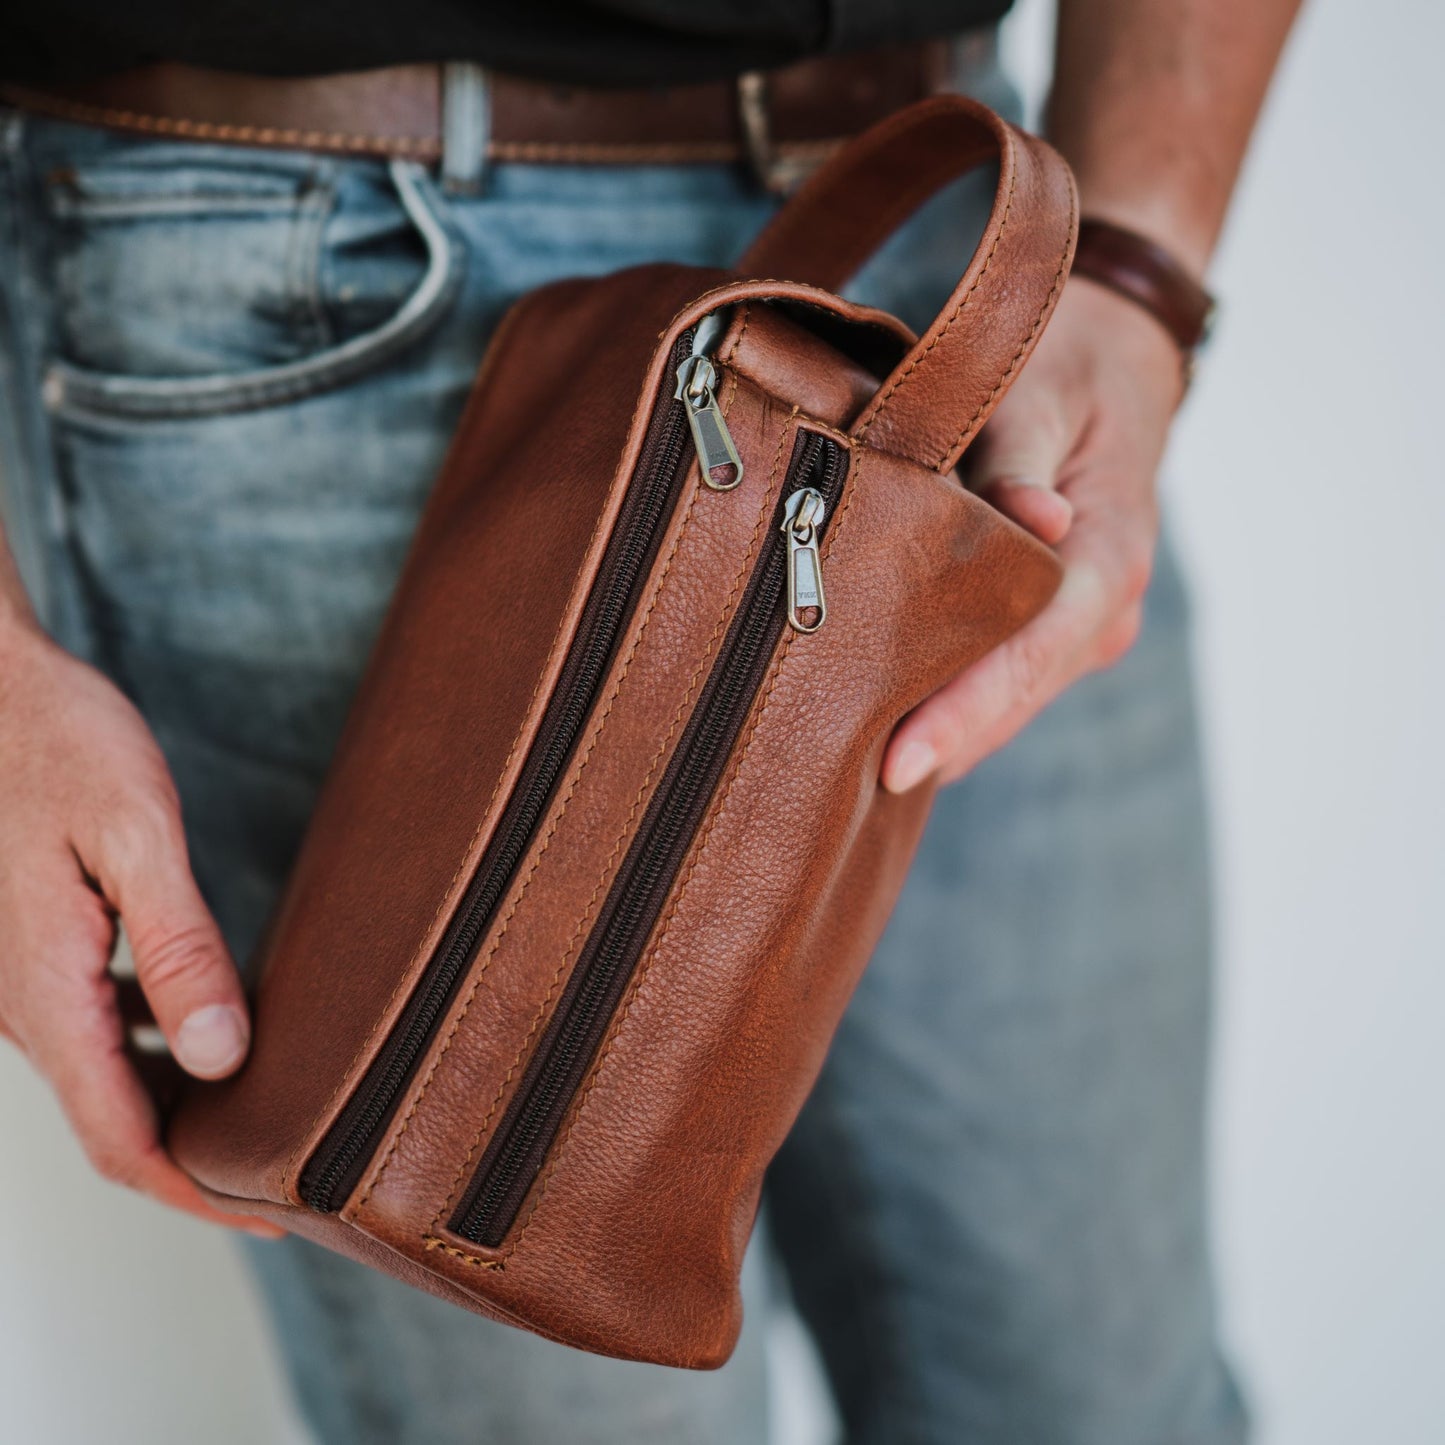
column 190, row 290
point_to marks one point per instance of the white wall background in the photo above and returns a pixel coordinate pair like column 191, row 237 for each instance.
column 1310, row 486
column 1309, row 493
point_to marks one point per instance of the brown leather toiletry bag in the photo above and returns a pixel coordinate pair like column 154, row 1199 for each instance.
column 603, row 852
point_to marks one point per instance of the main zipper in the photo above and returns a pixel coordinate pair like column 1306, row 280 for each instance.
column 337, row 1165
column 785, row 587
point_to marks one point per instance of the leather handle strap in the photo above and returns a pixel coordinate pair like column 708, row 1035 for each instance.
column 942, row 392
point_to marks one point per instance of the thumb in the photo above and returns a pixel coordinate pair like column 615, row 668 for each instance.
column 181, row 962
column 1017, row 459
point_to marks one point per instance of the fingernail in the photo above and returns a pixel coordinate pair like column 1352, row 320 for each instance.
column 212, row 1041
column 914, row 763
column 266, row 1231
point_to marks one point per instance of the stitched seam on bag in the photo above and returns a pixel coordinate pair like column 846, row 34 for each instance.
column 698, row 852
column 639, row 980
column 552, row 987
column 441, row 906
column 541, row 1014
column 876, row 406
column 466, row 855
column 966, row 435
column 725, row 286
column 733, row 351
column 538, row 1019
column 480, row 967
column 809, row 302
column 401, row 983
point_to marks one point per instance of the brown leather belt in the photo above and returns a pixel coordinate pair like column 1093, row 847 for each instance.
column 779, row 122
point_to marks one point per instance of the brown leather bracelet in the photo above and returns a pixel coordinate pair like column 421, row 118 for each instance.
column 1149, row 276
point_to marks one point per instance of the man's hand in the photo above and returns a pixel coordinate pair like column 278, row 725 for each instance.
column 1152, row 105
column 90, row 829
column 1071, row 454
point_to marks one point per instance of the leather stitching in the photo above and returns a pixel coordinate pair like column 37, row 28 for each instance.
column 724, row 614
column 407, row 973
column 480, row 967
column 715, row 813
column 434, row 1242
column 288, row 1173
column 728, row 360
column 875, row 408
column 461, row 866
column 788, row 287
column 623, row 835
column 638, row 982
column 966, row 435
column 606, row 867
column 543, row 1008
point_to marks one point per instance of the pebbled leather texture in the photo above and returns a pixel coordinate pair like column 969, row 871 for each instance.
column 631, row 1238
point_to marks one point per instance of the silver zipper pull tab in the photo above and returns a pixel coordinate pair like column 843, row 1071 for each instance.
column 802, row 516
column 722, row 468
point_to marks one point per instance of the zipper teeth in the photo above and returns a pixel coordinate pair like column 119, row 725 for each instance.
column 515, row 1155
column 352, row 1139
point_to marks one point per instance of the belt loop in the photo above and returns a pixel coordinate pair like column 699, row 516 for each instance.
column 776, row 171
column 756, row 126
column 466, row 127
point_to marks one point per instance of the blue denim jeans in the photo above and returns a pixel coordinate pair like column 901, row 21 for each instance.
column 227, row 379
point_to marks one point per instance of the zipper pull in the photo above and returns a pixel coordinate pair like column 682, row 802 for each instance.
column 722, row 468
column 802, row 516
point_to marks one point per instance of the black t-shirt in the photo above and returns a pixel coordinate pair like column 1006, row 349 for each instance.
column 584, row 42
